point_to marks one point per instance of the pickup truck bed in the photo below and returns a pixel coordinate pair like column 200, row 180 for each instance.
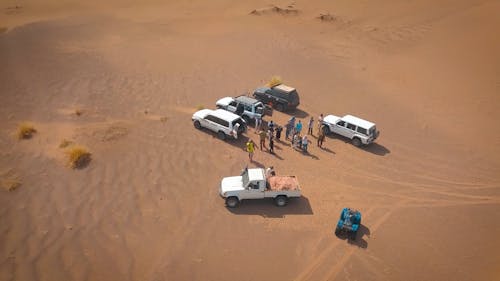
column 277, row 183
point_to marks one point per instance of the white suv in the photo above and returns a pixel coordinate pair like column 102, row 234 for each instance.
column 359, row 131
column 224, row 123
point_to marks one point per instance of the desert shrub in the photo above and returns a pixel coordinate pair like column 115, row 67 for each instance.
column 200, row 107
column 79, row 156
column 78, row 112
column 65, row 143
column 11, row 184
column 25, row 130
column 275, row 80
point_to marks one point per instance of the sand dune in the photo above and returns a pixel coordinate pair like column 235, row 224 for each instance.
column 123, row 79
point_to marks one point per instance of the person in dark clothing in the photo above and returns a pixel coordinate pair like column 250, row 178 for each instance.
column 240, row 109
column 278, row 132
column 271, row 141
column 270, row 125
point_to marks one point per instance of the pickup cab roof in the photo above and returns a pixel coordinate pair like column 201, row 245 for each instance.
column 246, row 99
column 256, row 174
column 224, row 101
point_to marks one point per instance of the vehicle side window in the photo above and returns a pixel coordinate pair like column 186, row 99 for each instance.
column 341, row 123
column 222, row 122
column 281, row 95
column 233, row 103
column 362, row 131
column 210, row 118
column 248, row 108
column 351, row 126
column 254, row 185
column 217, row 120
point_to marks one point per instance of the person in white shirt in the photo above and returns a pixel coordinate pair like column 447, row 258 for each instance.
column 270, row 172
column 305, row 142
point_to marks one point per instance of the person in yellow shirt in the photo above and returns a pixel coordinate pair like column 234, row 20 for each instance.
column 250, row 149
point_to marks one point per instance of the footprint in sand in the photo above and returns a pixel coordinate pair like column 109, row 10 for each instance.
column 13, row 10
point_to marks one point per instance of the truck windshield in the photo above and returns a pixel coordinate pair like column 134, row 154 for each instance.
column 373, row 130
column 245, row 178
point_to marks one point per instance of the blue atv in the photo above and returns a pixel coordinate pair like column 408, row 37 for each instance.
column 348, row 223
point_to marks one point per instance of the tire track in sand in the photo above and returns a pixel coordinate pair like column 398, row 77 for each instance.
column 320, row 261
column 339, row 265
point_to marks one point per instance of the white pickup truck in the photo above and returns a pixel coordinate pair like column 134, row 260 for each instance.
column 247, row 107
column 358, row 130
column 253, row 184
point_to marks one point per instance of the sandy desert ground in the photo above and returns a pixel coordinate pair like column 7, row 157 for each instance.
column 147, row 206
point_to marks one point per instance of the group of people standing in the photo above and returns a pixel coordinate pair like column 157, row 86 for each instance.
column 293, row 132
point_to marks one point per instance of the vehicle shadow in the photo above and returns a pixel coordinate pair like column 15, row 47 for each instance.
column 267, row 209
column 359, row 239
column 374, row 148
column 299, row 113
column 240, row 142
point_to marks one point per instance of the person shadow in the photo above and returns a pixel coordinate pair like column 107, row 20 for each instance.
column 257, row 164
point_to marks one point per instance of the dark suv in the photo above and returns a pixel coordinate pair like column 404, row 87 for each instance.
column 281, row 97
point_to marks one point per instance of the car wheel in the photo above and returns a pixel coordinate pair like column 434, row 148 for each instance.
column 280, row 200
column 197, row 124
column 280, row 107
column 356, row 142
column 221, row 135
column 337, row 231
column 232, row 202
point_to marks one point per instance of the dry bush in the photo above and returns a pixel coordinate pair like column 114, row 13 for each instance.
column 326, row 17
column 79, row 156
column 11, row 184
column 78, row 112
column 164, row 119
column 289, row 10
column 200, row 107
column 25, row 130
column 275, row 80
column 65, row 143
